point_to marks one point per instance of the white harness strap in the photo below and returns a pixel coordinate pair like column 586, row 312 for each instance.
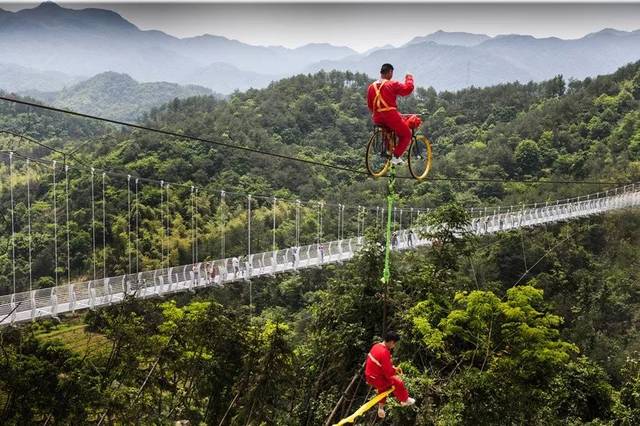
column 374, row 360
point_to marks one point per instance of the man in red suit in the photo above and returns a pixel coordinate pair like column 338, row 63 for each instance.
column 380, row 373
column 381, row 99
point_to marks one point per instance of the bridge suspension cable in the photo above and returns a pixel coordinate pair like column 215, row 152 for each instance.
column 29, row 237
column 222, row 224
column 129, row 221
column 104, row 228
column 307, row 213
column 13, row 224
column 66, row 221
column 93, row 222
column 162, row 224
column 55, row 222
column 137, row 216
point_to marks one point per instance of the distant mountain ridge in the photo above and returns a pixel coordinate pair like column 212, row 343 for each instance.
column 16, row 78
column 117, row 96
column 91, row 41
column 451, row 38
column 227, row 78
column 499, row 59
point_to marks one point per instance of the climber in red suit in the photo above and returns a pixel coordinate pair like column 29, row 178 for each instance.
column 381, row 99
column 380, row 373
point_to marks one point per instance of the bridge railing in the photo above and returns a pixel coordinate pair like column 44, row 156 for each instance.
column 51, row 301
column 477, row 212
column 628, row 196
column 105, row 291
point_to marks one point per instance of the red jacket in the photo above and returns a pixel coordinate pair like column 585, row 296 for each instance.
column 379, row 363
column 389, row 91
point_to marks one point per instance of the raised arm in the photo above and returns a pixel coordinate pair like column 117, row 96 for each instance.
column 406, row 88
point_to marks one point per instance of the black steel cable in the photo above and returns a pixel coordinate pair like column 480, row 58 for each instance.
column 297, row 159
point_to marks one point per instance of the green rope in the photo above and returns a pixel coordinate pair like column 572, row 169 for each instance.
column 386, row 274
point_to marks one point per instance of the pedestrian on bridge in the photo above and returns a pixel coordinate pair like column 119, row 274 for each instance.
column 410, row 237
column 235, row 263
column 296, row 256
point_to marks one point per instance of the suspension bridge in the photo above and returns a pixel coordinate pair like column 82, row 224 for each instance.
column 81, row 238
column 28, row 177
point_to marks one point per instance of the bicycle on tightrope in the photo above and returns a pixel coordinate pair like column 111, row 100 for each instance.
column 380, row 150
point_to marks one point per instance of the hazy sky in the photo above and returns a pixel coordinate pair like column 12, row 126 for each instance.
column 366, row 25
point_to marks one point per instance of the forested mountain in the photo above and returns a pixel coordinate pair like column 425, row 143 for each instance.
column 117, row 96
column 560, row 347
column 58, row 131
column 581, row 130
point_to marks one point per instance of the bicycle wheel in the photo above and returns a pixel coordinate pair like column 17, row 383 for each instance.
column 377, row 158
column 420, row 157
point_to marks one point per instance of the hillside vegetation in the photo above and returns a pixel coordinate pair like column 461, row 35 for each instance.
column 117, row 96
column 560, row 347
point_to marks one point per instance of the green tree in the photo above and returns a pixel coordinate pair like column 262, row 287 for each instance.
column 497, row 350
column 528, row 157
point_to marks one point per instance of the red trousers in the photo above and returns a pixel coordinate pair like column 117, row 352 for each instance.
column 396, row 122
column 383, row 384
